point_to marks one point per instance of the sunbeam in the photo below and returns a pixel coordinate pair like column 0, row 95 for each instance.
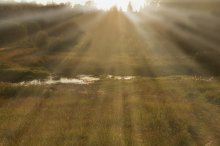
column 114, row 72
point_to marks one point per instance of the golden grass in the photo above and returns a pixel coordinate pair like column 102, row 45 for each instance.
column 137, row 112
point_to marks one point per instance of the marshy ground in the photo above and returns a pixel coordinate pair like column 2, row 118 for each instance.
column 155, row 76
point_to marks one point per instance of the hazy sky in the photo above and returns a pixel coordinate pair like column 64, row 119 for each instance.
column 105, row 4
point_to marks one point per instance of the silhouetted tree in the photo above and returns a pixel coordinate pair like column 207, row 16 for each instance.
column 78, row 7
column 90, row 5
column 130, row 8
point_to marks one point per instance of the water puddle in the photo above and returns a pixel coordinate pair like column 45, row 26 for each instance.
column 88, row 78
column 120, row 77
column 79, row 80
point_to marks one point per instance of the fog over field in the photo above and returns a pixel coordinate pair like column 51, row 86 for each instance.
column 117, row 73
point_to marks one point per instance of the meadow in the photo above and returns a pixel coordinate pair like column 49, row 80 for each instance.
column 157, row 71
column 142, row 111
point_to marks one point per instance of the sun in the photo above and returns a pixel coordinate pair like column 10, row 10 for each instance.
column 121, row 4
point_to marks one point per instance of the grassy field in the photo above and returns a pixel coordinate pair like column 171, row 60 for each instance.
column 171, row 53
column 164, row 111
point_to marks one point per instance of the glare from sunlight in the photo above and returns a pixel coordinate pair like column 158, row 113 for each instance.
column 123, row 4
column 100, row 4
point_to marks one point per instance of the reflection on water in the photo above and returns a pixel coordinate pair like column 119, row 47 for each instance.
column 89, row 79
column 120, row 77
column 79, row 80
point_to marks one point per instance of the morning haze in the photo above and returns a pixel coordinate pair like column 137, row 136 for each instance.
column 110, row 73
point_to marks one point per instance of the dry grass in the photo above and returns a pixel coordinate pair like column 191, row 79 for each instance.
column 174, row 110
column 144, row 111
